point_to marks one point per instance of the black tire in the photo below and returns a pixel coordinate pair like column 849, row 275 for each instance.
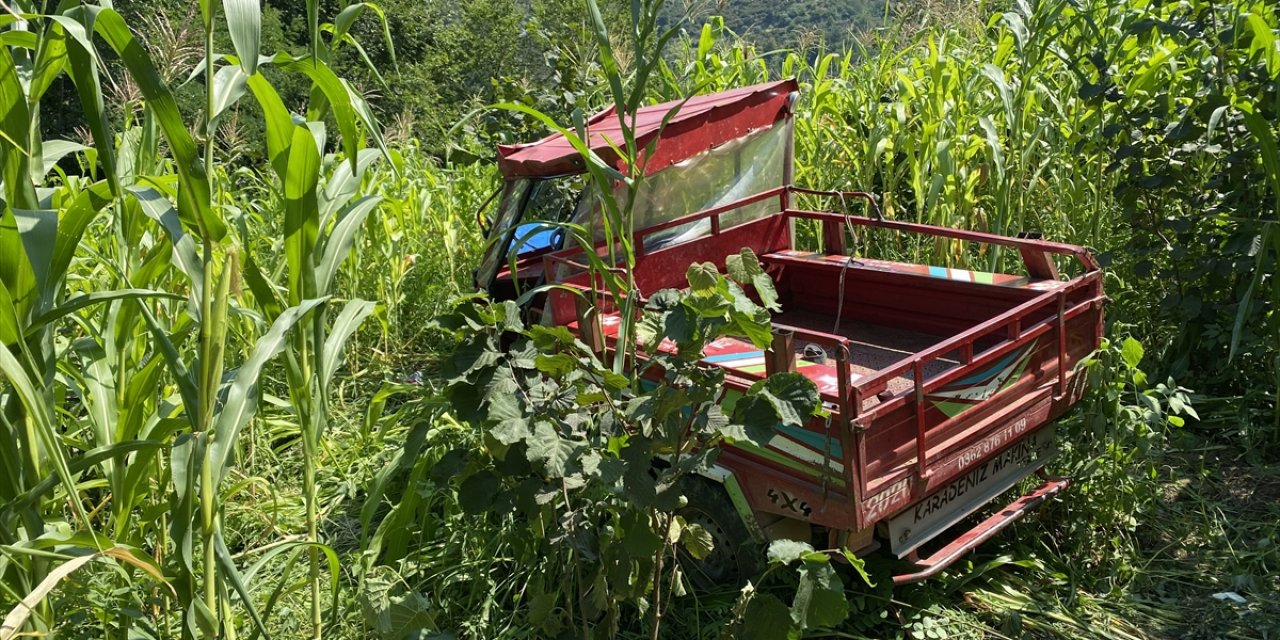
column 736, row 556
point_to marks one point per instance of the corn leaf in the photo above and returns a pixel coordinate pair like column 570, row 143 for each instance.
column 87, row 299
column 242, row 397
column 337, row 245
column 42, row 422
column 90, row 459
column 38, row 229
column 193, row 191
column 232, row 574
column 343, row 184
column 335, row 95
column 349, row 320
column 279, row 123
column 75, row 219
column 301, row 214
column 51, row 153
column 15, row 130
column 158, row 208
column 244, row 21
column 83, row 68
column 177, row 368
column 228, row 88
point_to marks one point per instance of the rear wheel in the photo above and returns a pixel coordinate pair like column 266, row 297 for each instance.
column 735, row 556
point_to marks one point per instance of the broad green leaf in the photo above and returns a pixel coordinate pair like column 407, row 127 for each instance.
column 83, row 70
column 702, row 277
column 639, row 540
column 406, row 615
column 556, row 365
column 1131, row 352
column 820, row 600
column 10, row 327
column 333, row 93
column 754, row 421
column 71, row 227
column 706, row 40
column 39, row 232
column 15, row 270
column 344, row 183
column 503, row 400
column 749, row 320
column 51, row 61
column 784, row 551
column 767, row 618
column 1264, row 42
column 15, row 131
column 279, row 123
column 743, row 266
column 697, row 541
column 264, row 292
column 792, row 395
column 548, row 449
column 52, row 152
column 185, row 460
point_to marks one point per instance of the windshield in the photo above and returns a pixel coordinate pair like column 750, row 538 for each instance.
column 740, row 168
column 527, row 218
column 526, row 223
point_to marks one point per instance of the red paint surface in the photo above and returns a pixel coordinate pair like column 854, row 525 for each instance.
column 977, row 323
column 702, row 123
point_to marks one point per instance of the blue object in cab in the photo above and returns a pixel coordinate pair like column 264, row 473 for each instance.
column 547, row 238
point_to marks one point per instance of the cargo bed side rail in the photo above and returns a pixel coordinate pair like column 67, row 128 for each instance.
column 1010, row 326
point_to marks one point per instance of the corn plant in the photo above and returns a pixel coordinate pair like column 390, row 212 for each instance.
column 185, row 339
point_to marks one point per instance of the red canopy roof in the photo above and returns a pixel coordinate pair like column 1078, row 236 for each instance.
column 704, row 122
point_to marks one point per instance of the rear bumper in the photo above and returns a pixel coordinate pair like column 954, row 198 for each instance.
column 985, row 530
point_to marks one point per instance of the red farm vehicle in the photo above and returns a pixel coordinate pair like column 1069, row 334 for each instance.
column 942, row 384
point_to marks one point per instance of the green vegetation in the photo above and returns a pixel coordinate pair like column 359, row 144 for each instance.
column 804, row 25
column 218, row 299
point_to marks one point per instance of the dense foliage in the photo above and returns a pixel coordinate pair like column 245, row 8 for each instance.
column 802, row 25
column 229, row 302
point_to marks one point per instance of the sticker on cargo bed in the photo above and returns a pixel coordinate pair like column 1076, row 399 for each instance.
column 971, row 390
